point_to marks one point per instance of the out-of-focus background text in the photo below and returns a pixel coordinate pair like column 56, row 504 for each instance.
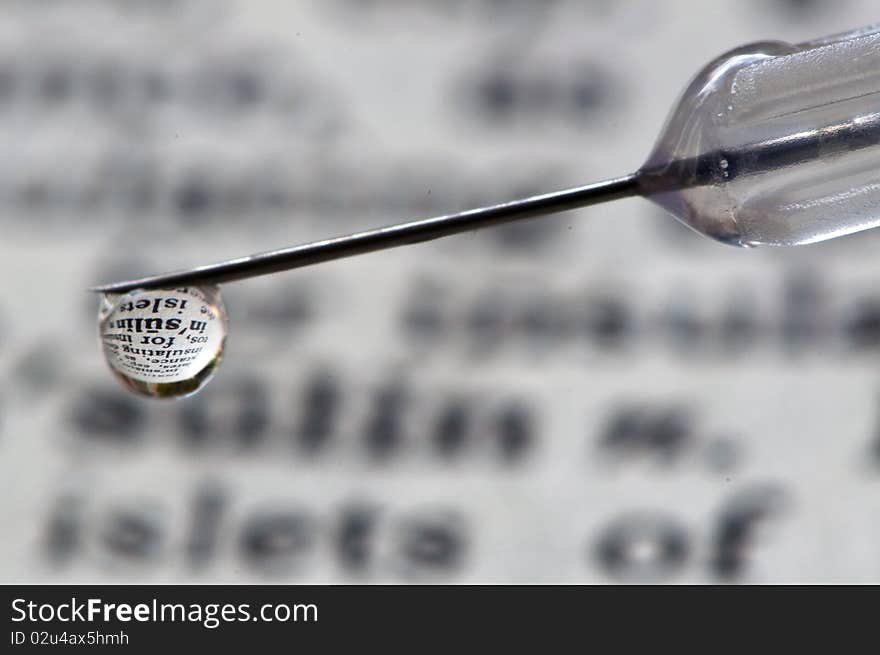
column 596, row 396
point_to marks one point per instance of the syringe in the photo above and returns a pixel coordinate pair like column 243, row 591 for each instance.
column 770, row 144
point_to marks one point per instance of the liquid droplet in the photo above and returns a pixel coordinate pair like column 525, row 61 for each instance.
column 163, row 343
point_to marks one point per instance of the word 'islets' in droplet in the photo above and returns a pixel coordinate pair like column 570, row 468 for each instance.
column 163, row 343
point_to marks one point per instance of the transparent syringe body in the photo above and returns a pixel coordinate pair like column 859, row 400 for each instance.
column 776, row 144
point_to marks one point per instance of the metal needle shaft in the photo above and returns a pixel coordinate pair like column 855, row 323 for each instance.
column 385, row 237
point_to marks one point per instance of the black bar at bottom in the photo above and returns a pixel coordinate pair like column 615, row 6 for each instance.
column 412, row 619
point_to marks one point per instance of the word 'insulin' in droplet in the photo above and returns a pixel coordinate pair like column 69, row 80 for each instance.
column 163, row 342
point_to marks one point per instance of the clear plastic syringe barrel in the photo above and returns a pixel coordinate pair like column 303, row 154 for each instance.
column 776, row 144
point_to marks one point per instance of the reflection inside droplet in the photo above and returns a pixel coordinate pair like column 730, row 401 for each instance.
column 163, row 343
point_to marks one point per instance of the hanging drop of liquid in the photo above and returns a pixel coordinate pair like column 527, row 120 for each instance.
column 163, row 343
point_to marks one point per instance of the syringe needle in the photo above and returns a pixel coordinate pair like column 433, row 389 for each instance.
column 770, row 144
column 385, row 237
